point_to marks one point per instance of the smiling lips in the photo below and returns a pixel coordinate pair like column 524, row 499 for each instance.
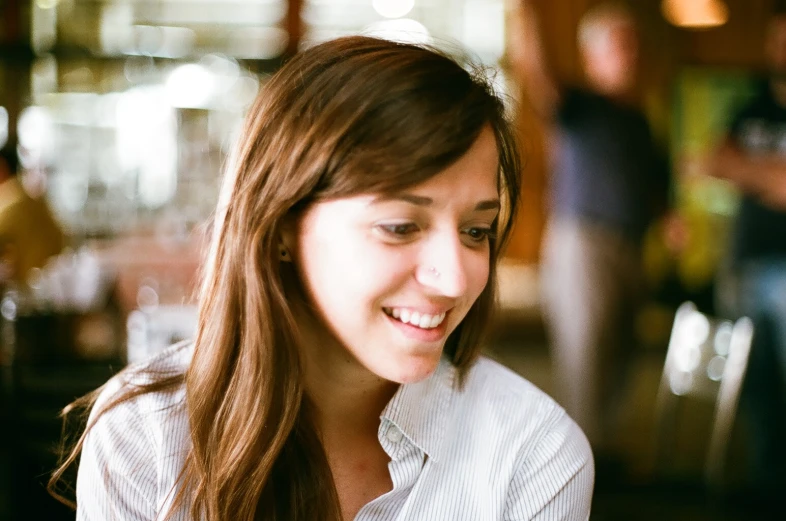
column 414, row 318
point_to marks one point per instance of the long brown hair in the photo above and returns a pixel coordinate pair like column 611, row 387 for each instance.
column 353, row 115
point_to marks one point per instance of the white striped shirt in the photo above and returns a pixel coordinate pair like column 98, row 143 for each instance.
column 499, row 449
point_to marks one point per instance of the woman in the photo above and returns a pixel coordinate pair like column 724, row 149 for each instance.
column 335, row 372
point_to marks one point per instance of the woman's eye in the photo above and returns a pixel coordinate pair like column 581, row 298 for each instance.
column 478, row 234
column 400, row 230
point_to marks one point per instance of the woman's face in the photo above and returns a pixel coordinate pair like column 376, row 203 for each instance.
column 392, row 277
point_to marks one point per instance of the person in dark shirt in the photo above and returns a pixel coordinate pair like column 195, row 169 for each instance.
column 608, row 182
column 753, row 157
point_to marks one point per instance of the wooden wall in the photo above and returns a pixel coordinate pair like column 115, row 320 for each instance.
column 737, row 44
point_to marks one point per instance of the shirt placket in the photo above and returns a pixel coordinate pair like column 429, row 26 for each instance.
column 406, row 464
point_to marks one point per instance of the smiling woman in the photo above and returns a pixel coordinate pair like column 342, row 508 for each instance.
column 379, row 257
column 335, row 374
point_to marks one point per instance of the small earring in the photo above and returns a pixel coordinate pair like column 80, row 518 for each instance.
column 283, row 253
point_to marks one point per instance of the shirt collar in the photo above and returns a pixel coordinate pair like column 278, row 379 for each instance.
column 422, row 410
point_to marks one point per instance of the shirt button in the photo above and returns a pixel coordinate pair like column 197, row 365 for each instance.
column 394, row 435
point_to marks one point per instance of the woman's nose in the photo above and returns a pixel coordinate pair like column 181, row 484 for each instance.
column 444, row 268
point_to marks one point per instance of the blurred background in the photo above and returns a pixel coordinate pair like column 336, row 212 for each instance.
column 120, row 114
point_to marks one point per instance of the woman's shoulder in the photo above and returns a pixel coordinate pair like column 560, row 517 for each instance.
column 175, row 359
column 544, row 459
column 137, row 440
column 491, row 379
column 149, row 392
column 510, row 403
column 531, row 441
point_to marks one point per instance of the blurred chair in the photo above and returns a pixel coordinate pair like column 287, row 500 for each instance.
column 706, row 360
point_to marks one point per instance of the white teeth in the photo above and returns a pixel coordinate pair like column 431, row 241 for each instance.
column 435, row 321
column 416, row 318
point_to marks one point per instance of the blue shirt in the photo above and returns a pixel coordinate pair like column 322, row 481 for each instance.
column 607, row 168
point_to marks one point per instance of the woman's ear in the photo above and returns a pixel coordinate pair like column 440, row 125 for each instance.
column 287, row 240
column 283, row 252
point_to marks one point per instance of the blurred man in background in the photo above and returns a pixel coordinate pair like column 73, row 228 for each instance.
column 608, row 183
column 29, row 234
column 753, row 157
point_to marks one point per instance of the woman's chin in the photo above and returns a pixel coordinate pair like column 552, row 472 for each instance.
column 411, row 369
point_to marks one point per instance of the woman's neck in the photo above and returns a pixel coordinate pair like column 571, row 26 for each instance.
column 348, row 399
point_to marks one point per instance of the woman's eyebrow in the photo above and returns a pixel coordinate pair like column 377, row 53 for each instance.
column 490, row 204
column 419, row 200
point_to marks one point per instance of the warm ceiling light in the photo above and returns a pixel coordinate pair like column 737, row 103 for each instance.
column 393, row 8
column 695, row 14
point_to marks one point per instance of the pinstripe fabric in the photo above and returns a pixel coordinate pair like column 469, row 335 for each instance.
column 499, row 449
